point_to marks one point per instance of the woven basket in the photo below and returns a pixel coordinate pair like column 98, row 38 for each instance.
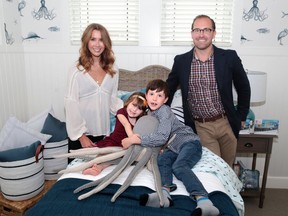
column 53, row 165
column 23, row 179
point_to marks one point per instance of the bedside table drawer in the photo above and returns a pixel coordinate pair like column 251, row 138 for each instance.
column 253, row 145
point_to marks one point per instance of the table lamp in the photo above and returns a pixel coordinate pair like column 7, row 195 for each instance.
column 257, row 81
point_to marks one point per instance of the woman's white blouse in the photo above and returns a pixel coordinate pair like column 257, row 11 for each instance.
column 88, row 105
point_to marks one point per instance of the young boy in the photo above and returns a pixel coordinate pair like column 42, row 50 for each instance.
column 178, row 157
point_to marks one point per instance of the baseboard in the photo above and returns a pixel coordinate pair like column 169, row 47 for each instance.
column 277, row 182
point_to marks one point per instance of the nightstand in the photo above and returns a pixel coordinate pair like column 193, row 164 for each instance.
column 256, row 143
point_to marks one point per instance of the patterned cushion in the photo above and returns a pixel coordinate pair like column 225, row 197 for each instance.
column 178, row 111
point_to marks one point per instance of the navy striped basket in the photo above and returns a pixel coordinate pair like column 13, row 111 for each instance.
column 22, row 179
column 53, row 165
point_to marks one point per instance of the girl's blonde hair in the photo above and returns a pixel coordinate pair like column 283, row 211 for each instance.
column 107, row 58
column 139, row 99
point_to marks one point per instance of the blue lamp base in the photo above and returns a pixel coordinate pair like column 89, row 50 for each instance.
column 250, row 119
column 250, row 116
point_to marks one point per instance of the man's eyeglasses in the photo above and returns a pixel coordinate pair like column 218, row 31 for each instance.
column 205, row 30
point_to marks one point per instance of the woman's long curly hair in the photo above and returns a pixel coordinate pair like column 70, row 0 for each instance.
column 107, row 58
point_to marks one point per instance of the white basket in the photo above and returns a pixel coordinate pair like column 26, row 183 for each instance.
column 53, row 165
column 23, row 179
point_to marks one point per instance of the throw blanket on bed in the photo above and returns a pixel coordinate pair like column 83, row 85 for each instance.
column 60, row 201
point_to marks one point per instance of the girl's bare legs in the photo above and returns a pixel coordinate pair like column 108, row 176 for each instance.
column 95, row 170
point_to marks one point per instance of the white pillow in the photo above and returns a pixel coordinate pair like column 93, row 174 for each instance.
column 16, row 134
column 37, row 121
column 177, row 99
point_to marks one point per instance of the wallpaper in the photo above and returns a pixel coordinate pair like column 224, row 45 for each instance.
column 265, row 23
column 31, row 22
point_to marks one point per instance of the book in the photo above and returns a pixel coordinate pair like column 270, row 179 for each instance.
column 266, row 126
column 248, row 127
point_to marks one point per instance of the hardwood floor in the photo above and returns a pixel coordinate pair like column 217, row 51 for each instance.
column 275, row 204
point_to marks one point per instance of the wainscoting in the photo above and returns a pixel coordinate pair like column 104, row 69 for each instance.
column 13, row 91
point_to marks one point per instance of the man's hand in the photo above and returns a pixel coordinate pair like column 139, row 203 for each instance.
column 86, row 142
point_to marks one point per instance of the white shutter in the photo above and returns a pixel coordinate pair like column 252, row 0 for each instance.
column 120, row 18
column 178, row 15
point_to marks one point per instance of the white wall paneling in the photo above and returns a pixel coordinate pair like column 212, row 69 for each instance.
column 33, row 75
column 13, row 95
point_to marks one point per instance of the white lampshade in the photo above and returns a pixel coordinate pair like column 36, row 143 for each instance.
column 257, row 81
column 258, row 86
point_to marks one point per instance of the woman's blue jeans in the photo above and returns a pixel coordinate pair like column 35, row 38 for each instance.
column 181, row 166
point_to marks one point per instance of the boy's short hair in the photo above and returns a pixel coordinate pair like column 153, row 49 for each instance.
column 158, row 85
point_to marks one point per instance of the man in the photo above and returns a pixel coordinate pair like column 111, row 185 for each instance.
column 206, row 76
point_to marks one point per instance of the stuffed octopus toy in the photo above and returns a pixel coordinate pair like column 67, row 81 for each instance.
column 143, row 155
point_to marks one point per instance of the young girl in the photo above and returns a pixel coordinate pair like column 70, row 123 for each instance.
column 126, row 117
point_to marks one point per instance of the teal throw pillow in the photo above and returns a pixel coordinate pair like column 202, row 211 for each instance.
column 56, row 128
column 124, row 97
column 21, row 153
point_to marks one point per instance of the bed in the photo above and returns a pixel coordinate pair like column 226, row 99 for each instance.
column 217, row 177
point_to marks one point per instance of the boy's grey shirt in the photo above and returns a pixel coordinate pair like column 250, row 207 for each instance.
column 169, row 125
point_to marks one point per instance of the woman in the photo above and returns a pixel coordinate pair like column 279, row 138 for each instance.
column 92, row 90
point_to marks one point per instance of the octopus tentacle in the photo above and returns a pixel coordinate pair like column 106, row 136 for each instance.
column 88, row 185
column 127, row 160
column 91, row 184
column 156, row 174
column 89, row 151
column 139, row 166
column 97, row 160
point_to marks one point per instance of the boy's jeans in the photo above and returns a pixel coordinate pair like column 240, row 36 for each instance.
column 180, row 165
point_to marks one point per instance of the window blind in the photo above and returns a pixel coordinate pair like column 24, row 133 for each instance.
column 177, row 17
column 120, row 18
